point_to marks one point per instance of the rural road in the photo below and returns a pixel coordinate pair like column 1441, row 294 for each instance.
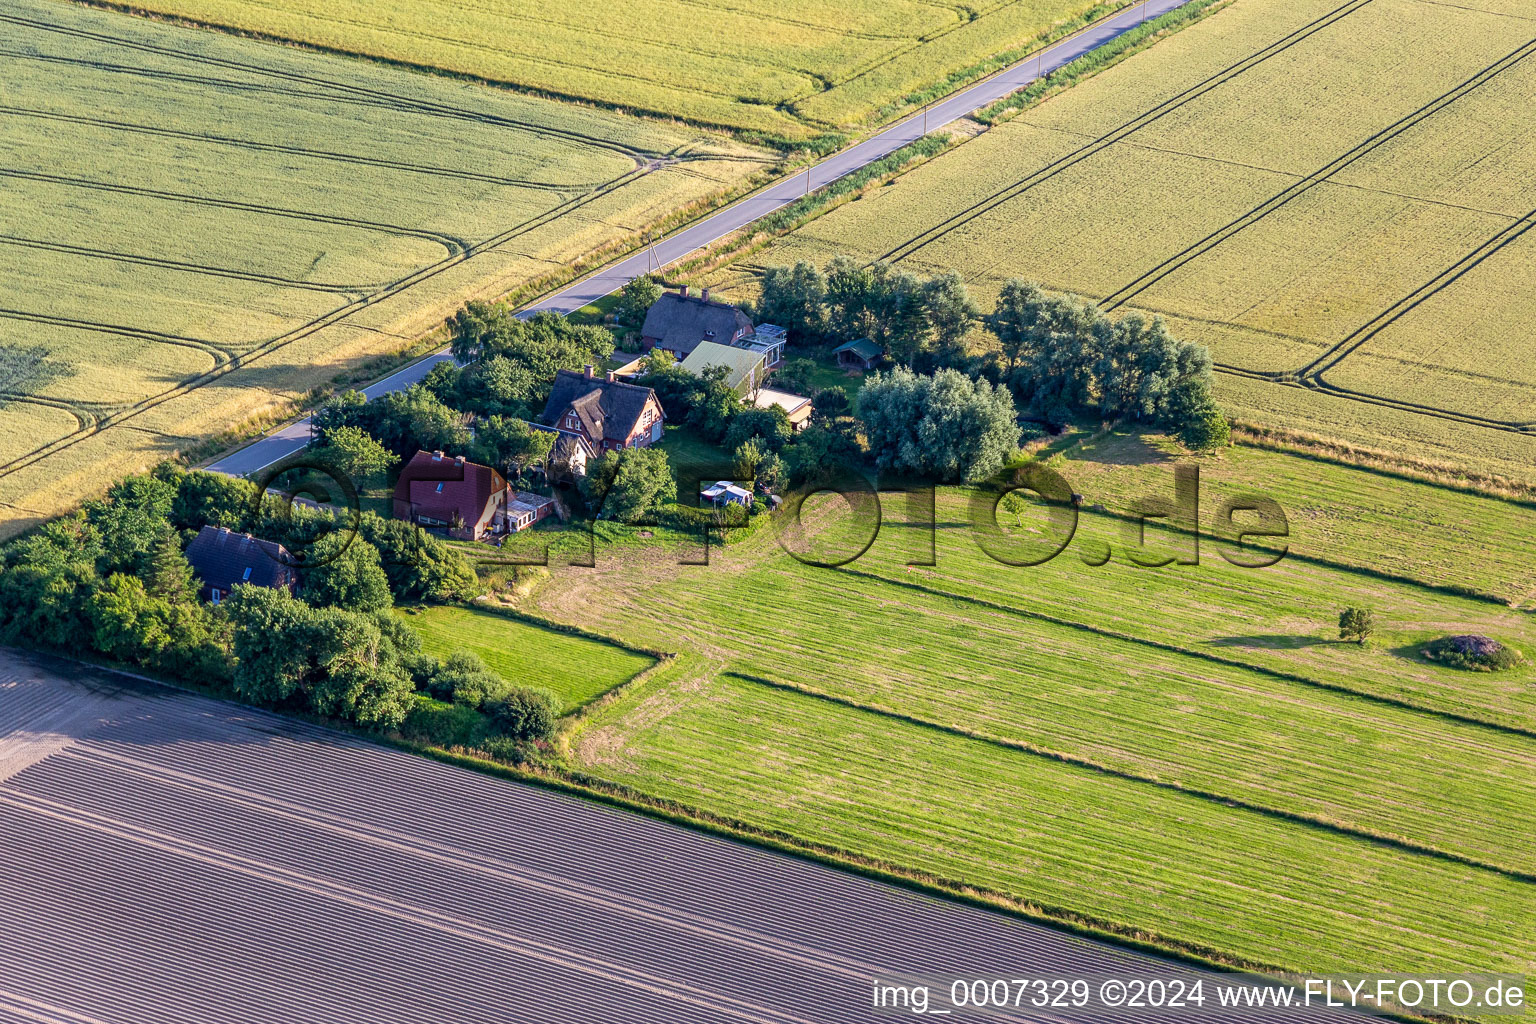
column 289, row 439
column 167, row 857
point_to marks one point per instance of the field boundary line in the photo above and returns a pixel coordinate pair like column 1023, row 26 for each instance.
column 1216, row 659
column 1396, row 843
column 1124, row 130
column 1297, row 189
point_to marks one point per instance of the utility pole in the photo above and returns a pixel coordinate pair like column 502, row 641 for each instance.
column 925, row 116
column 1143, row 12
column 807, row 181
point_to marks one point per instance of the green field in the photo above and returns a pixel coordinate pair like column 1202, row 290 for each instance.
column 199, row 229
column 1186, row 752
column 574, row 668
column 792, row 68
column 1321, row 192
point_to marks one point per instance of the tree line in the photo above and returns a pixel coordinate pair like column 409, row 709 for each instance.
column 113, row 578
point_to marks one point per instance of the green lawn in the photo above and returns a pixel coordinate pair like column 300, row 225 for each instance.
column 1187, row 751
column 574, row 668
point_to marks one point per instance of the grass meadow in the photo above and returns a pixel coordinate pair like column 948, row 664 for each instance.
column 1186, row 752
column 576, row 669
column 199, row 229
column 789, row 68
column 1356, row 256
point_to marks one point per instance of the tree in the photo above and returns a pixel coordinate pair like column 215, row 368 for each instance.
column 128, row 623
column 795, row 376
column 212, row 499
column 713, row 404
column 944, row 427
column 415, row 419
column 168, row 575
column 831, row 403
column 1205, row 429
column 656, row 360
column 419, row 566
column 326, row 660
column 629, row 485
column 769, row 426
column 635, row 300
column 1056, row 374
column 348, row 574
column 948, row 313
column 824, row 451
column 1356, row 624
column 498, row 386
column 355, row 453
column 536, row 347
column 1014, row 318
column 795, row 298
column 46, row 580
column 511, row 445
column 130, row 520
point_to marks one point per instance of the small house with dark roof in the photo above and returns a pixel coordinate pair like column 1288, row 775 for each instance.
column 607, row 412
column 860, row 354
column 678, row 321
column 444, row 492
column 223, row 560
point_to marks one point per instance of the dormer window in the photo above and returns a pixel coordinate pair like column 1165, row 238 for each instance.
column 246, row 578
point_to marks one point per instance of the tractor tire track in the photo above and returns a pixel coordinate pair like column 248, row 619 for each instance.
column 191, row 268
column 449, row 242
column 301, row 151
column 271, row 345
column 1299, row 188
column 1103, row 142
column 378, row 96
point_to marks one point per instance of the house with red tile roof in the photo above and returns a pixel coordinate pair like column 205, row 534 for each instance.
column 449, row 493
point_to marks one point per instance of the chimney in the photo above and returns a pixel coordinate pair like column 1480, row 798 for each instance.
column 683, row 291
column 437, row 456
column 612, row 377
column 459, row 459
column 706, row 295
column 589, row 371
column 223, row 529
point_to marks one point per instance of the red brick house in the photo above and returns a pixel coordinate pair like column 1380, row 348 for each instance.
column 446, row 492
column 607, row 413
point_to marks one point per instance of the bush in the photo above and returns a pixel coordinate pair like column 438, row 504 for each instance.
column 443, row 724
column 525, row 713
column 1473, row 652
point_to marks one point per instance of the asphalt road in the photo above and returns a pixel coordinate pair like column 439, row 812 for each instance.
column 284, row 442
column 168, row 858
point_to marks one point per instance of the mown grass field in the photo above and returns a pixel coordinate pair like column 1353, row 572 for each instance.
column 1185, row 751
column 574, row 668
column 198, row 229
column 790, row 68
column 1325, row 192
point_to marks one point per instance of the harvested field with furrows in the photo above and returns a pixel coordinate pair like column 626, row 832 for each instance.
column 184, row 859
column 200, row 229
column 789, row 68
column 1335, row 197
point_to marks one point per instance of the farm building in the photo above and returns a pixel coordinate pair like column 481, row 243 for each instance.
column 745, row 369
column 223, row 560
column 796, row 407
column 678, row 322
column 448, row 493
column 723, row 492
column 862, row 354
column 526, row 508
column 607, row 412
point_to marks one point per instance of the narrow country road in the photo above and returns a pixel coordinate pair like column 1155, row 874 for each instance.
column 289, row 439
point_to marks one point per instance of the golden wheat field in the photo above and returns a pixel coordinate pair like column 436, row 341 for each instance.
column 199, row 229
column 1335, row 197
column 791, row 68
